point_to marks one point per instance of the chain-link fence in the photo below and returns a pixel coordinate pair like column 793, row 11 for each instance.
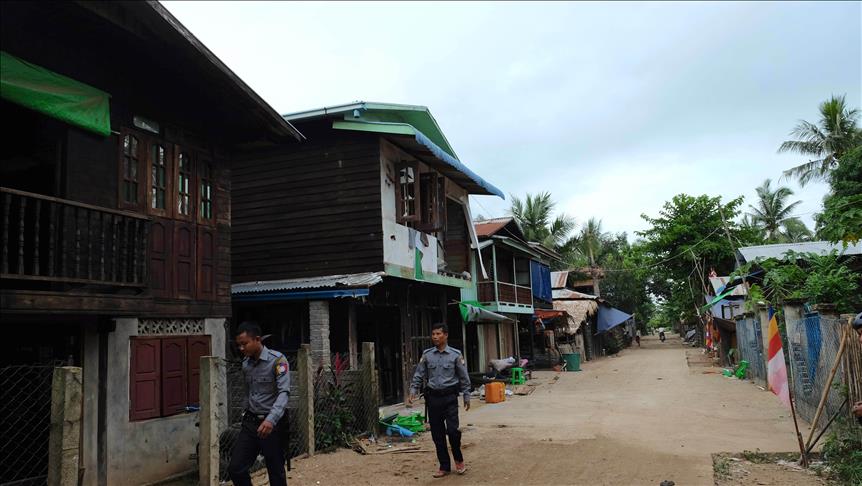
column 236, row 395
column 749, row 341
column 26, row 425
column 813, row 342
column 341, row 404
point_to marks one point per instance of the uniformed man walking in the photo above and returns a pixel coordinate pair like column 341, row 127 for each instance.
column 268, row 386
column 446, row 372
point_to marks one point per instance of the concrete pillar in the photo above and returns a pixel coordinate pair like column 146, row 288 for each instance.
column 305, row 389
column 318, row 324
column 792, row 320
column 212, row 383
column 369, row 377
column 66, row 413
column 352, row 336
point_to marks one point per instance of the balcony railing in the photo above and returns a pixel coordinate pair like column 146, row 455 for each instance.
column 55, row 240
column 505, row 293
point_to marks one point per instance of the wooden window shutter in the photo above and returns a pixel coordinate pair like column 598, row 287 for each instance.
column 206, row 263
column 145, row 378
column 174, row 375
column 407, row 192
column 197, row 346
column 160, row 271
column 184, row 260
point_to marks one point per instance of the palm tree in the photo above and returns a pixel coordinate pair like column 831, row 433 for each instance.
column 826, row 141
column 772, row 211
column 795, row 231
column 591, row 238
column 534, row 215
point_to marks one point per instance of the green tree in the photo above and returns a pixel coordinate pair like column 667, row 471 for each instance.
column 533, row 213
column 773, row 212
column 795, row 231
column 626, row 281
column 827, row 140
column 841, row 219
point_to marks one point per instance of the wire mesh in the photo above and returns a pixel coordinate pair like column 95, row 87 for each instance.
column 813, row 342
column 749, row 341
column 26, row 424
column 341, row 405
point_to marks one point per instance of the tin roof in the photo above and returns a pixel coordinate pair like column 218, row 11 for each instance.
column 563, row 294
column 490, row 227
column 355, row 280
column 780, row 250
column 558, row 279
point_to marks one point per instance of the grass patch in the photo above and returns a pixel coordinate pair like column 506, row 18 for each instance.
column 755, row 456
column 843, row 452
column 721, row 466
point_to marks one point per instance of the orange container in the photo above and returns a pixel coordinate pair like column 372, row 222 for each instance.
column 495, row 392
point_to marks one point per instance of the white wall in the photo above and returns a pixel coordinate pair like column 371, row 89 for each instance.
column 143, row 451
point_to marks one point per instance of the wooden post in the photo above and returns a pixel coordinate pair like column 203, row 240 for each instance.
column 212, row 381
column 305, row 411
column 66, row 412
column 352, row 346
column 369, row 379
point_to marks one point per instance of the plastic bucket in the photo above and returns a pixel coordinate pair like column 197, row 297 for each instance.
column 573, row 361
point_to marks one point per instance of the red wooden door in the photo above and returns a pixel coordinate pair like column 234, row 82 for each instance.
column 206, row 263
column 184, row 260
column 161, row 239
column 174, row 373
column 145, row 378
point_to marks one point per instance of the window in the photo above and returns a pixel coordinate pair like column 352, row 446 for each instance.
column 432, row 189
column 129, row 171
column 159, row 177
column 165, row 374
column 206, row 185
column 407, row 192
column 184, row 185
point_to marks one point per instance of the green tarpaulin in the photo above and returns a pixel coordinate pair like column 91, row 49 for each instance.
column 54, row 95
column 472, row 311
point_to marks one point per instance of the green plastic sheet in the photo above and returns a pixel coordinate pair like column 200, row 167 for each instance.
column 54, row 95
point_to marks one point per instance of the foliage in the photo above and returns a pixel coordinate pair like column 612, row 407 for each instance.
column 773, row 211
column 841, row 219
column 795, row 231
column 533, row 213
column 335, row 420
column 687, row 239
column 843, row 451
column 827, row 141
column 626, row 279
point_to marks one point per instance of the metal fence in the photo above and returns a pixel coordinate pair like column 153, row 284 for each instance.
column 749, row 341
column 26, row 424
column 813, row 342
column 341, row 405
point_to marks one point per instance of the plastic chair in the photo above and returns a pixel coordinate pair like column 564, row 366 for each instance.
column 741, row 369
column 518, row 376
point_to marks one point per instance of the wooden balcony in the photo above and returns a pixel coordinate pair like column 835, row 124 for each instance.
column 505, row 293
column 52, row 240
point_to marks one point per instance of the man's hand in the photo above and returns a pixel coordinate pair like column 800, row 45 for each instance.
column 410, row 399
column 857, row 409
column 265, row 429
column 466, row 406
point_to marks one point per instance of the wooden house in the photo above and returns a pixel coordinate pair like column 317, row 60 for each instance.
column 516, row 282
column 361, row 233
column 120, row 129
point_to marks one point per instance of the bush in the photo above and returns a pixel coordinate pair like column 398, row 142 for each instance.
column 843, row 451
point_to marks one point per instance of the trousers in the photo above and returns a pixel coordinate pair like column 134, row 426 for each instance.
column 249, row 445
column 443, row 416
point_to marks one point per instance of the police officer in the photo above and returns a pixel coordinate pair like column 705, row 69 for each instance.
column 268, row 386
column 446, row 372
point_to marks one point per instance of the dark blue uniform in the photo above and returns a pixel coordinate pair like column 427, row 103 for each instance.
column 447, row 377
column 267, row 382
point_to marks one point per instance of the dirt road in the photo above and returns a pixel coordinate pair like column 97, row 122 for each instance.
column 639, row 418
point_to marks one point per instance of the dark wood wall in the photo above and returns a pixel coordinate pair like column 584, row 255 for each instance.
column 310, row 209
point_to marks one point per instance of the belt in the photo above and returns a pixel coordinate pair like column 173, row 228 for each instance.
column 251, row 415
column 442, row 392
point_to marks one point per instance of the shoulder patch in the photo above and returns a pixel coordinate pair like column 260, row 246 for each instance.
column 281, row 366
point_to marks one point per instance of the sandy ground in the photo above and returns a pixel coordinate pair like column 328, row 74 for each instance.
column 650, row 414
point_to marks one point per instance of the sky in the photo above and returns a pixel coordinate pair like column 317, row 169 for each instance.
column 613, row 108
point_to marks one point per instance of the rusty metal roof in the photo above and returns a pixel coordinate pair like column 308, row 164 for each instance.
column 490, row 227
column 351, row 281
column 558, row 279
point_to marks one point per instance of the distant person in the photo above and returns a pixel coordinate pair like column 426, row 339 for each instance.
column 857, row 326
column 446, row 373
column 661, row 334
column 266, row 373
column 638, row 337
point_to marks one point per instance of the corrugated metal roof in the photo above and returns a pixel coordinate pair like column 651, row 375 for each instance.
column 558, row 279
column 718, row 284
column 355, row 280
column 571, row 294
column 491, row 226
column 779, row 250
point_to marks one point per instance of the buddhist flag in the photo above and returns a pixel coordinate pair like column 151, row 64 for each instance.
column 776, row 369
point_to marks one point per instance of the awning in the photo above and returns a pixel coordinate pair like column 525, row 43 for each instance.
column 610, row 317
column 577, row 311
column 548, row 313
column 472, row 311
column 54, row 95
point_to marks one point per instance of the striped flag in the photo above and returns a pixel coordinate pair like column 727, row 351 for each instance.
column 776, row 369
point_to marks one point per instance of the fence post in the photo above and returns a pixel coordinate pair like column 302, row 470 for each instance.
column 305, row 410
column 64, row 442
column 370, row 385
column 212, row 381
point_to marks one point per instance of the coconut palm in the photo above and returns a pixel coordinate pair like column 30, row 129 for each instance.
column 533, row 213
column 795, row 231
column 772, row 210
column 826, row 141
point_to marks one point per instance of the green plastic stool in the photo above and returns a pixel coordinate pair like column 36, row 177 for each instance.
column 741, row 369
column 518, row 376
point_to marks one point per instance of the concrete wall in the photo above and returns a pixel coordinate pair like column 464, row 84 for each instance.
column 143, row 451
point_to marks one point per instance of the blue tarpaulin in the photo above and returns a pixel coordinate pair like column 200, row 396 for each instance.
column 541, row 275
column 610, row 317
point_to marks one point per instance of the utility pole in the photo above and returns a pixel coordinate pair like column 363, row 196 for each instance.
column 727, row 233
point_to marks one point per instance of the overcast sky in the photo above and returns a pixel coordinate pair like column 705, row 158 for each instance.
column 612, row 107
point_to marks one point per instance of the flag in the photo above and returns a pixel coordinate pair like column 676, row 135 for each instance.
column 776, row 369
